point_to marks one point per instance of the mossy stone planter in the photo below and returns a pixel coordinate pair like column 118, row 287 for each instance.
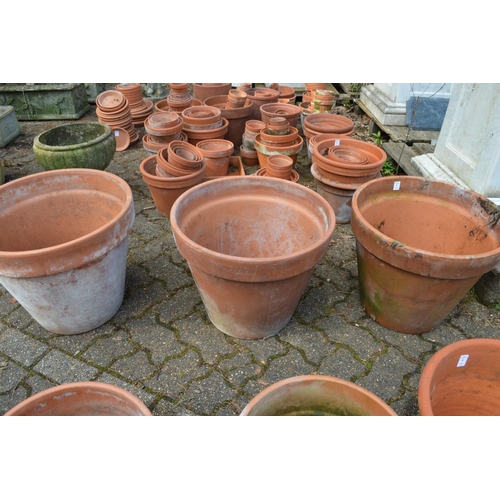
column 75, row 145
column 46, row 101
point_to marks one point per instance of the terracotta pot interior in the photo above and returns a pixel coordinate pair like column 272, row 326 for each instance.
column 427, row 220
column 77, row 210
column 257, row 216
column 463, row 388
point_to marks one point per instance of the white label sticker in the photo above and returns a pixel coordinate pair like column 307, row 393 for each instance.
column 463, row 360
column 337, row 142
column 117, row 133
column 396, row 185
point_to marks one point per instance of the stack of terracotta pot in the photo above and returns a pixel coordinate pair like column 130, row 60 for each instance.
column 236, row 116
column 172, row 171
column 280, row 167
column 204, row 122
column 164, row 105
column 340, row 165
column 236, row 99
column 203, row 91
column 162, row 128
column 216, row 155
column 277, row 138
column 113, row 109
column 260, row 96
column 323, row 101
column 311, row 88
column 325, row 123
column 276, row 110
column 247, row 150
column 140, row 108
column 179, row 97
column 287, row 95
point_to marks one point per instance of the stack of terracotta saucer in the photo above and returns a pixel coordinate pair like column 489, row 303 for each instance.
column 139, row 108
column 179, row 97
column 178, row 159
column 113, row 109
column 162, row 128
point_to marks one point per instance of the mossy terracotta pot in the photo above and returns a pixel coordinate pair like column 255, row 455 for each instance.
column 63, row 246
column 252, row 244
column 75, row 145
column 82, row 399
column 421, row 245
column 316, row 395
column 462, row 379
column 165, row 189
column 265, row 150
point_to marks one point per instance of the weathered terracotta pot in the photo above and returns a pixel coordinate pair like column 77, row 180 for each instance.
column 63, row 246
column 216, row 154
column 316, row 395
column 75, row 145
column 236, row 117
column 358, row 162
column 203, row 91
column 265, row 150
column 251, row 244
column 249, row 156
column 260, row 96
column 462, row 379
column 421, row 245
column 338, row 194
column 82, row 399
column 289, row 111
column 167, row 188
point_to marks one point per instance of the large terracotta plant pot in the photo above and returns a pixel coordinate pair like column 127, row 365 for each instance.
column 316, row 395
column 82, row 399
column 421, row 245
column 167, row 188
column 75, row 145
column 462, row 379
column 63, row 246
column 251, row 244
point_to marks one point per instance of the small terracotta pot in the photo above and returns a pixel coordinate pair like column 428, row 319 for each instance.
column 422, row 244
column 315, row 395
column 216, row 154
column 165, row 190
column 248, row 156
column 462, row 379
column 82, row 399
column 251, row 244
column 265, row 150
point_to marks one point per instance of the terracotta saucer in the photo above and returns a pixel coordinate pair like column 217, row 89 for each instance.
column 122, row 138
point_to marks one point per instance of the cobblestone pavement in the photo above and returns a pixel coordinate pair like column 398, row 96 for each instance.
column 162, row 347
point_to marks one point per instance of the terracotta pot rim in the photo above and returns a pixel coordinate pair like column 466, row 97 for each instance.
column 166, row 182
column 425, row 388
column 283, row 262
column 60, row 390
column 225, row 147
column 403, row 256
column 305, row 379
column 16, row 259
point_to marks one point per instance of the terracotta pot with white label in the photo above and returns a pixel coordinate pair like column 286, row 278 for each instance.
column 462, row 379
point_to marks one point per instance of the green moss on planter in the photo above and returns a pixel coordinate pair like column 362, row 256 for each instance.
column 46, row 101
